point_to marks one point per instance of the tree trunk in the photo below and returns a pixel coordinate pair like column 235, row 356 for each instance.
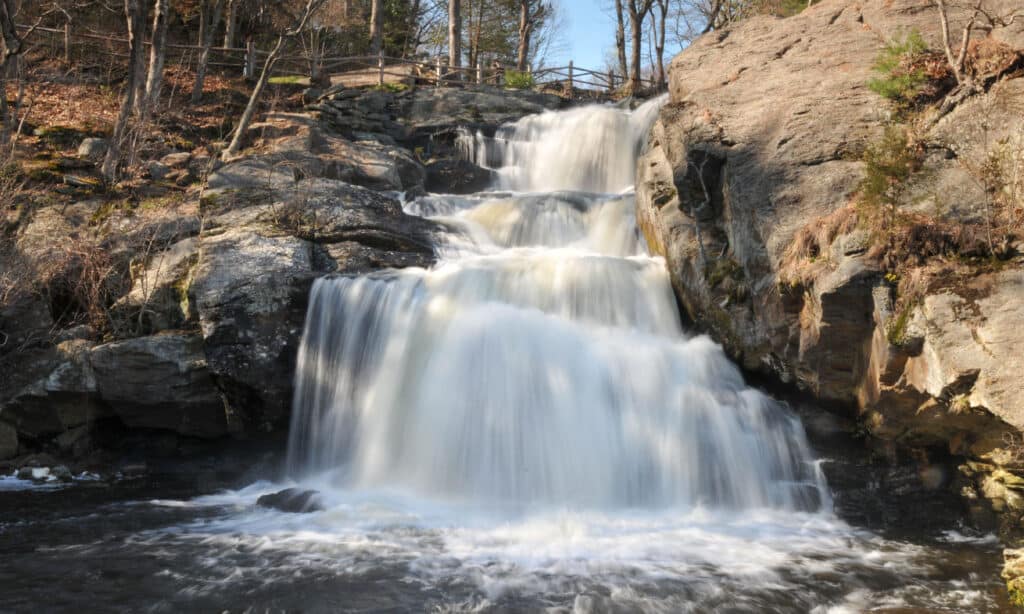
column 268, row 67
column 257, row 91
column 11, row 49
column 525, row 31
column 636, row 24
column 620, row 39
column 231, row 24
column 455, row 33
column 157, row 56
column 377, row 26
column 136, row 18
column 213, row 10
column 659, row 41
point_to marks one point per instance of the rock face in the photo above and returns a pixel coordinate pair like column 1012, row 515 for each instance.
column 208, row 304
column 759, row 149
column 160, row 382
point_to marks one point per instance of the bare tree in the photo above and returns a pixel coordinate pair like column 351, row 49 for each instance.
column 620, row 39
column 136, row 17
column 377, row 26
column 531, row 12
column 658, row 39
column 230, row 23
column 455, row 33
column 157, row 56
column 300, row 25
column 638, row 10
column 209, row 17
column 10, row 50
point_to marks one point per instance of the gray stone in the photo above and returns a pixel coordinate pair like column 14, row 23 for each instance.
column 161, row 382
column 250, row 292
column 157, row 170
column 93, row 149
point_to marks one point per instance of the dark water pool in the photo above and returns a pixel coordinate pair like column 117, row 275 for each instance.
column 148, row 546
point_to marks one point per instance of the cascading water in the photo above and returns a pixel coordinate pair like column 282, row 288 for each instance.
column 524, row 427
column 541, row 362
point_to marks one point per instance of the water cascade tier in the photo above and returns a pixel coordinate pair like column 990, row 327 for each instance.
column 541, row 362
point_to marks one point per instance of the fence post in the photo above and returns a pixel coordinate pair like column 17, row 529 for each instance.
column 67, row 42
column 479, row 73
column 380, row 68
column 571, row 87
column 439, row 75
column 611, row 81
column 249, row 72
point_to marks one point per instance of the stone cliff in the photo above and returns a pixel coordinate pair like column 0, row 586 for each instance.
column 750, row 188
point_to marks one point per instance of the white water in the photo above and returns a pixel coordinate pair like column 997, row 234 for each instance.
column 541, row 362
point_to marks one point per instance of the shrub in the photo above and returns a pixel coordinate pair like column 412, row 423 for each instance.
column 902, row 76
column 517, row 80
column 889, row 164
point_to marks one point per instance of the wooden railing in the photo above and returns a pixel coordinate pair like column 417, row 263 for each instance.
column 248, row 59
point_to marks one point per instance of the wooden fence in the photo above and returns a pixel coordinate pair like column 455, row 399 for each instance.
column 248, row 60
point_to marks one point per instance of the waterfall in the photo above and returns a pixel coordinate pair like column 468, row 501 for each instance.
column 542, row 360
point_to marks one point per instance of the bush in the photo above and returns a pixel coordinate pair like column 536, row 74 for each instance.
column 889, row 164
column 517, row 80
column 899, row 64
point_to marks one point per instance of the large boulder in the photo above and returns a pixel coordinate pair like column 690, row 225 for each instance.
column 161, row 382
column 249, row 290
column 60, row 393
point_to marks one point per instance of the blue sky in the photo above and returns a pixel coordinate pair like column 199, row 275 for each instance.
column 591, row 34
column 591, row 31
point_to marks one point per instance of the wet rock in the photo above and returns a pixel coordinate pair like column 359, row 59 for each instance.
column 8, row 441
column 93, row 149
column 162, row 382
column 458, row 177
column 292, row 500
column 61, row 473
column 77, row 441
